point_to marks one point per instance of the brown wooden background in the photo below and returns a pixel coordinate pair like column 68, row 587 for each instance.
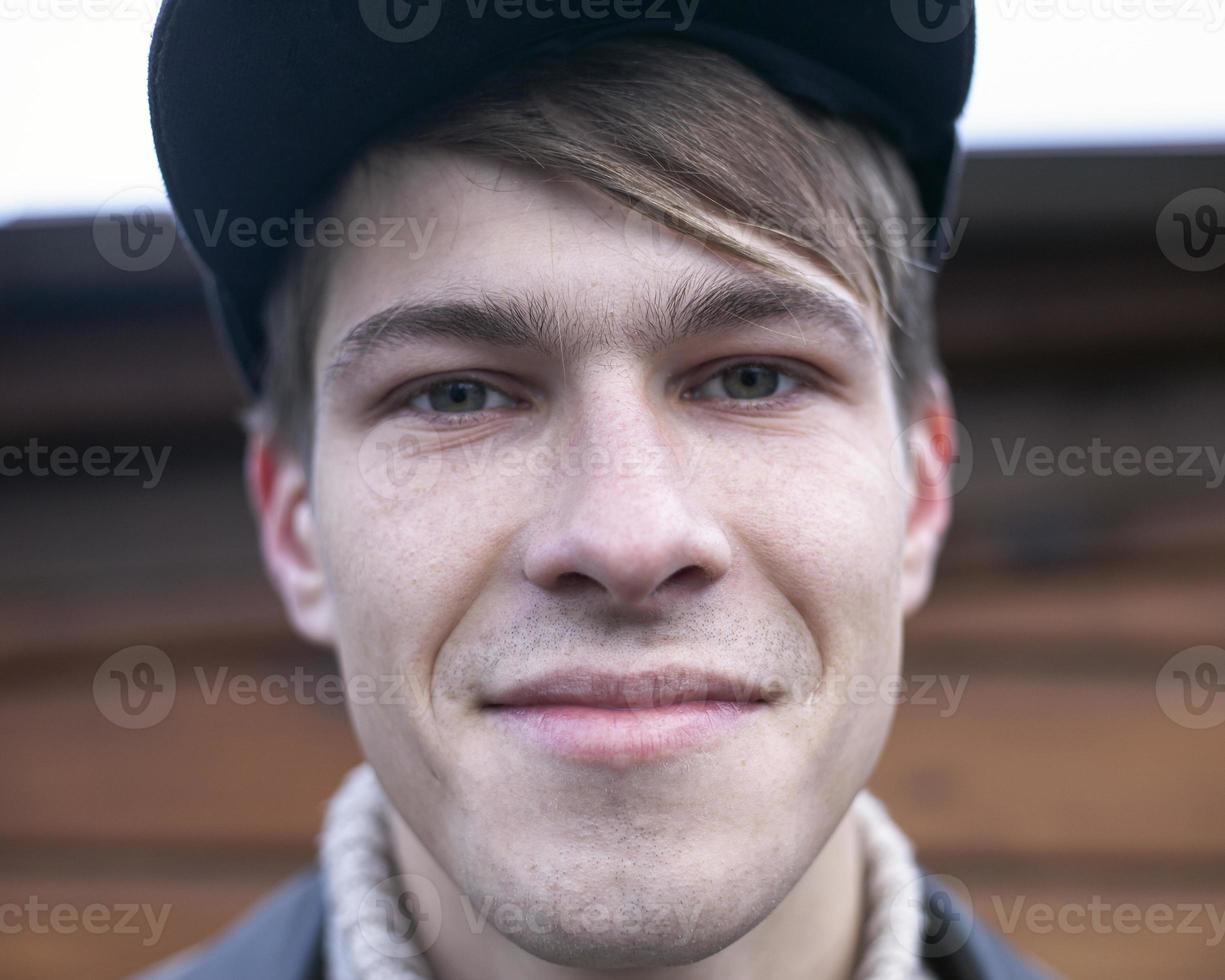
column 1058, row 780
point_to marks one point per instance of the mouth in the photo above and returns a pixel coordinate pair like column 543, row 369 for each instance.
column 624, row 719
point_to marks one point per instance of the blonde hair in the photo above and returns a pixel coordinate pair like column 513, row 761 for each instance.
column 687, row 136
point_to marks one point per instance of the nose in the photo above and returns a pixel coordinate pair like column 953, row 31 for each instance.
column 630, row 531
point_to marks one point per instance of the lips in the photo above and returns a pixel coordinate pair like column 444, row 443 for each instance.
column 624, row 719
column 605, row 689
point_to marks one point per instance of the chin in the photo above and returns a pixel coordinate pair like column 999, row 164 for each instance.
column 634, row 937
column 634, row 905
column 618, row 952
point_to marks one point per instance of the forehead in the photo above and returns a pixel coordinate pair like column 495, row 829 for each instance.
column 451, row 224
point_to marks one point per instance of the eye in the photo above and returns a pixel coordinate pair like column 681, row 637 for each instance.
column 745, row 382
column 458, row 396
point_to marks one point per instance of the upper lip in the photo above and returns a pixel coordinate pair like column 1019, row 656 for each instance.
column 609, row 689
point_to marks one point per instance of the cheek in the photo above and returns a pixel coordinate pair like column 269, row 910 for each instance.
column 836, row 552
column 823, row 519
column 405, row 562
column 403, row 570
column 829, row 539
column 827, row 535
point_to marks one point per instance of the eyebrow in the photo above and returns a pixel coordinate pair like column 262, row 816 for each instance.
column 698, row 305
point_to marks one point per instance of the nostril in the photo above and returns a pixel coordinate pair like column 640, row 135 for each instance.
column 574, row 582
column 630, row 563
column 689, row 577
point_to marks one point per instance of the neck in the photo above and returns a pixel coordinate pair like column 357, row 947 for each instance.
column 814, row 933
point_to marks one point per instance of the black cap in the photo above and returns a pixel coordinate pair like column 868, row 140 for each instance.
column 259, row 106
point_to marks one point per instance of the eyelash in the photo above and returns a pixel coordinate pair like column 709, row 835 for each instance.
column 747, row 405
column 405, row 399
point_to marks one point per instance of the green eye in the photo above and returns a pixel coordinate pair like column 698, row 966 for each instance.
column 458, row 396
column 750, row 381
column 745, row 382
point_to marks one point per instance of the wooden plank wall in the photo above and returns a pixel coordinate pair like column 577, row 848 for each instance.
column 1059, row 784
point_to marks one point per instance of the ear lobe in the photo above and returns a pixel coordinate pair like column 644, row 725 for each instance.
column 930, row 443
column 278, row 489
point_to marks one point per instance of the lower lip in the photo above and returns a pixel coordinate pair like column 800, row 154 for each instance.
column 623, row 735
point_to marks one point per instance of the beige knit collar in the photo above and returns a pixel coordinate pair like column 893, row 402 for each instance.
column 364, row 943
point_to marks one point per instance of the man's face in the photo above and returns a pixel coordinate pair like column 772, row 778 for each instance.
column 631, row 537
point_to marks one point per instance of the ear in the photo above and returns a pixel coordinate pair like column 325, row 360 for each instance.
column 278, row 488
column 930, row 445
